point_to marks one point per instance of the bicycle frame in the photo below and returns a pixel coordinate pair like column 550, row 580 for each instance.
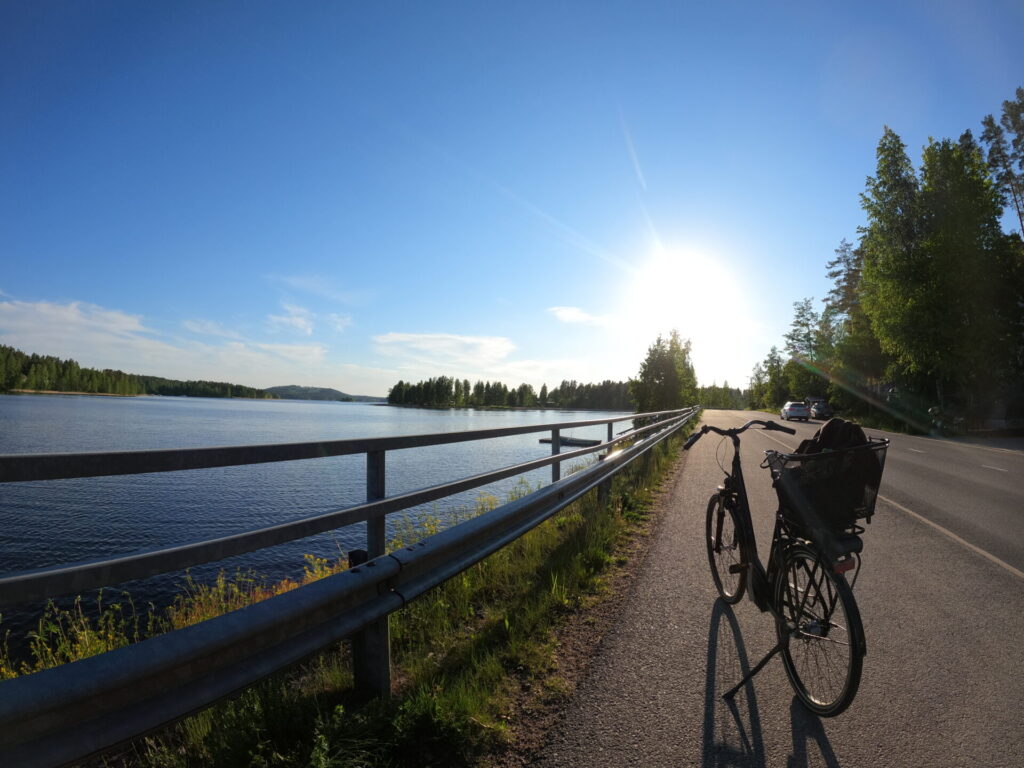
column 759, row 578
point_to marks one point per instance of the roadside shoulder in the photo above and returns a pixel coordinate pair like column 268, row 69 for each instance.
column 537, row 708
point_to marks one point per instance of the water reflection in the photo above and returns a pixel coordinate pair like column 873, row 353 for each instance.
column 66, row 521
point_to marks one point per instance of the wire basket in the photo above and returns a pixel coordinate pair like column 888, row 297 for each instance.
column 835, row 488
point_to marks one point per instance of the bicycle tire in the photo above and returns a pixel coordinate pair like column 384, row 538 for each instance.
column 824, row 656
column 730, row 585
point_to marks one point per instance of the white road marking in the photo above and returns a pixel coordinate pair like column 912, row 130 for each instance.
column 954, row 537
column 959, row 444
column 915, row 450
column 997, row 469
column 772, row 437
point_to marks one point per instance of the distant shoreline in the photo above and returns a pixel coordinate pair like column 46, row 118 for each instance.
column 501, row 408
column 59, row 392
column 191, row 397
column 114, row 394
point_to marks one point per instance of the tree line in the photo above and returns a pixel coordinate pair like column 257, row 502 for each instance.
column 19, row 370
column 665, row 381
column 448, row 392
column 927, row 307
column 722, row 397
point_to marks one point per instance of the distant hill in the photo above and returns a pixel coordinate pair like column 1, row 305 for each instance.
column 294, row 392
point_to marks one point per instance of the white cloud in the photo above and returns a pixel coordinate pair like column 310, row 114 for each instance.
column 54, row 322
column 339, row 322
column 578, row 316
column 298, row 319
column 103, row 338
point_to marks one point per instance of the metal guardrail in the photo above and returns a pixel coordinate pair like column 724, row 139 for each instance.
column 69, row 712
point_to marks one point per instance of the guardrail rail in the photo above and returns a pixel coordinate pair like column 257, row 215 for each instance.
column 67, row 713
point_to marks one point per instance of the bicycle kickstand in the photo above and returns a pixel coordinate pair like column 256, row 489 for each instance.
column 757, row 667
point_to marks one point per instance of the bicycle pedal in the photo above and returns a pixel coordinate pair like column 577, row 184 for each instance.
column 737, row 568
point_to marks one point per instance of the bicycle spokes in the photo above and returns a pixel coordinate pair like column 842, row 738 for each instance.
column 823, row 652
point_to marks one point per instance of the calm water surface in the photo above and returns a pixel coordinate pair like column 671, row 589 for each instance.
column 64, row 521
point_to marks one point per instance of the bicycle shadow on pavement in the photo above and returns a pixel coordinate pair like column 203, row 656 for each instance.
column 807, row 727
column 732, row 728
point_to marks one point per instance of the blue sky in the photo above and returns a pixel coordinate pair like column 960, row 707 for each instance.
column 348, row 194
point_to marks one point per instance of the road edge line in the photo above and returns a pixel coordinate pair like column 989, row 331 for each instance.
column 976, row 549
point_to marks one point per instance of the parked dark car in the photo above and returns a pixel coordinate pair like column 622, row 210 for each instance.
column 821, row 410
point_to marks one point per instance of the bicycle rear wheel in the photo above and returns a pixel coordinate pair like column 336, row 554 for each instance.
column 724, row 551
column 824, row 656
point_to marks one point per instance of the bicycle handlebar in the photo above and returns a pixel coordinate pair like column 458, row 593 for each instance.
column 769, row 425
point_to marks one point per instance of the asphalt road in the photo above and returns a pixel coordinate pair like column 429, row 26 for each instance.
column 943, row 678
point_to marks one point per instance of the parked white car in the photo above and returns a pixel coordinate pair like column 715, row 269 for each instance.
column 795, row 410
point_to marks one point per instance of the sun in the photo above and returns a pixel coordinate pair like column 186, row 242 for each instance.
column 693, row 292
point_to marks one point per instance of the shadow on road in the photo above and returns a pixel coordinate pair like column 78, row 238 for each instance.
column 807, row 727
column 732, row 729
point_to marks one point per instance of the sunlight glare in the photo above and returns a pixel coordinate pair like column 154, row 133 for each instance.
column 698, row 295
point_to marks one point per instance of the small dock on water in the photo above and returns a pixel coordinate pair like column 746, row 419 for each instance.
column 578, row 441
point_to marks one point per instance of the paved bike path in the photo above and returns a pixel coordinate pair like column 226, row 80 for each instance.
column 943, row 679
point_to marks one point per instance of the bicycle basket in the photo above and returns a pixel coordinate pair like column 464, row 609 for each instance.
column 832, row 487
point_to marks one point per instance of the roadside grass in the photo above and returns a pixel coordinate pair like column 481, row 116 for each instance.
column 459, row 652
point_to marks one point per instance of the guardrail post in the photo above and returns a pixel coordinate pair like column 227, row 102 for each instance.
column 371, row 647
column 604, row 492
column 611, row 432
column 556, row 447
column 375, row 527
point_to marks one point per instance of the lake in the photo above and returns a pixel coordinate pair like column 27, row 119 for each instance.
column 63, row 521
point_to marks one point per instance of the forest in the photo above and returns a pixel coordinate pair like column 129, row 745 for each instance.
column 21, row 371
column 448, row 392
column 927, row 306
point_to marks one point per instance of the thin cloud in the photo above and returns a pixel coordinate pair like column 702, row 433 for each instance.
column 210, row 328
column 305, row 354
column 422, row 356
column 577, row 316
column 632, row 152
column 570, row 235
column 339, row 322
column 445, row 350
column 323, row 287
column 298, row 319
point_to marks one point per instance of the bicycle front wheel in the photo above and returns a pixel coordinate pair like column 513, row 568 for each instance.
column 724, row 551
column 824, row 655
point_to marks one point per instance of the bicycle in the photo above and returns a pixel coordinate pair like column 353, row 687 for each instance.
column 815, row 542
